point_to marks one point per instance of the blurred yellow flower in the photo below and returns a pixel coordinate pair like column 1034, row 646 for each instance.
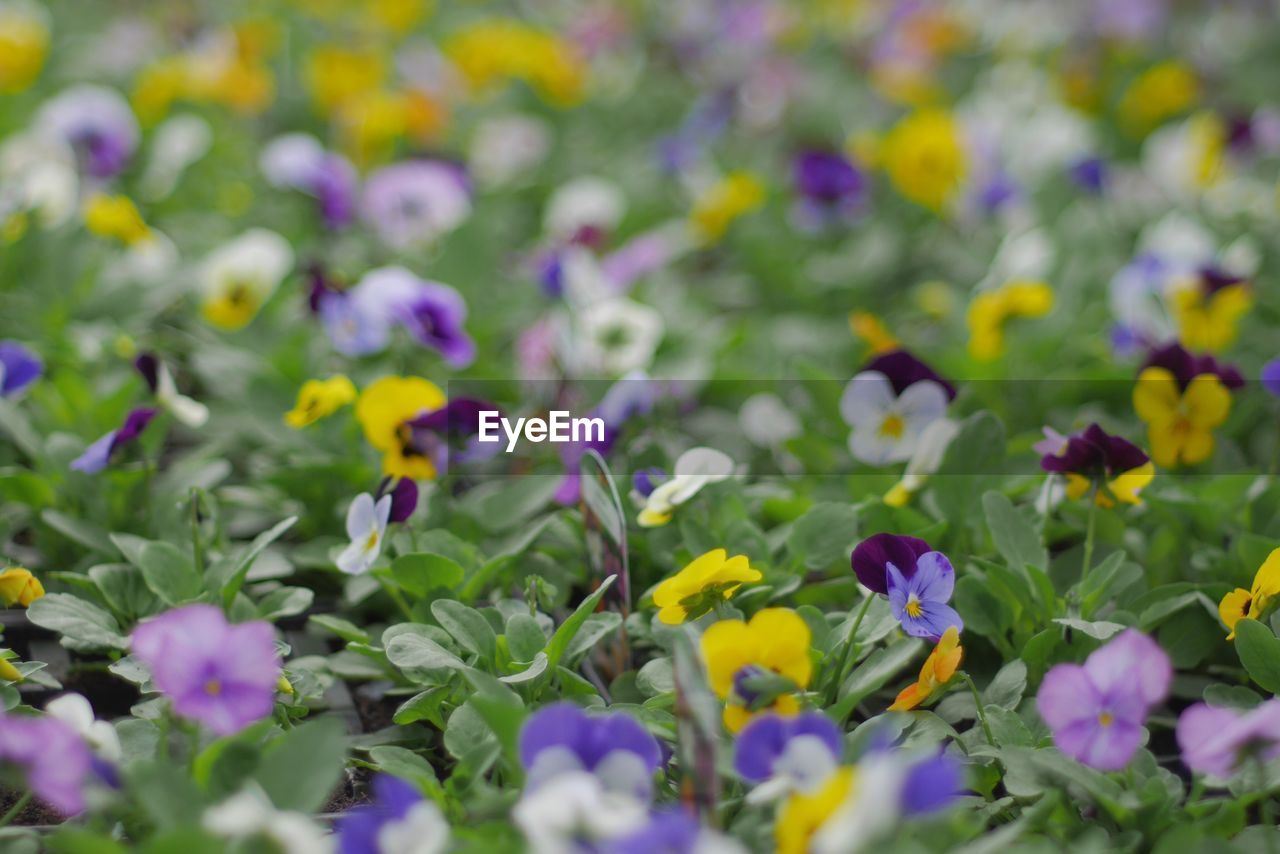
column 1180, row 422
column 804, row 813
column 239, row 276
column 19, row 587
column 499, row 50
column 319, row 399
column 115, row 217
column 695, row 590
column 729, row 199
column 924, row 157
column 938, row 669
column 24, row 43
column 1206, row 319
column 384, row 410
column 872, row 330
column 1162, row 91
column 774, row 643
column 338, row 75
column 227, row 68
column 992, row 309
column 1241, row 604
column 8, row 672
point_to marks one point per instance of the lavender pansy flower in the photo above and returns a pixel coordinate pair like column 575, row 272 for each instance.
column 19, row 368
column 1270, row 377
column 96, row 457
column 919, row 601
column 873, row 556
column 1219, row 742
column 415, row 202
column 398, row 820
column 219, row 674
column 932, row 784
column 96, row 123
column 562, row 738
column 298, row 161
column 55, row 761
column 434, row 317
column 1096, row 710
column 787, row 753
column 1089, row 174
column 359, row 321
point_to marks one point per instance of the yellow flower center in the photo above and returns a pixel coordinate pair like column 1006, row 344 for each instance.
column 213, row 687
column 372, row 542
column 914, row 609
column 892, row 426
column 1106, row 719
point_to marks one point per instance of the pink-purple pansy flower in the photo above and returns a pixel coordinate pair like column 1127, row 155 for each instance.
column 1220, row 742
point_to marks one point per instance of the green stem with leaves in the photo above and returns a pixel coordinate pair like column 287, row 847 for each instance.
column 982, row 714
column 850, row 648
column 1090, row 531
column 17, row 807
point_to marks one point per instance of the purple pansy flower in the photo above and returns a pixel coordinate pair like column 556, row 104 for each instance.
column 799, row 752
column 96, row 122
column 451, row 433
column 919, row 601
column 412, row 203
column 829, row 186
column 1186, row 366
column 1092, row 453
column 19, row 368
column 904, row 370
column 670, row 831
column 932, row 784
column 645, row 480
column 872, row 557
column 298, row 161
column 1220, row 741
column 399, row 819
column 435, row 317
column 1096, row 710
column 220, row 674
column 1270, row 377
column 54, row 759
column 1089, row 174
column 96, row 457
column 404, row 498
column 562, row 738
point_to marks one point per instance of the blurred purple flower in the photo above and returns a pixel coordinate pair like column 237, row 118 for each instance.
column 435, row 317
column 669, row 831
column 830, row 188
column 645, row 480
column 1185, row 366
column 904, row 370
column 561, row 738
column 1219, row 741
column 404, row 498
column 96, row 122
column 804, row 748
column 1092, row 453
column 359, row 321
column 1130, row 20
column 1271, row 377
column 413, row 203
column 220, row 674
column 54, row 759
column 399, row 819
column 298, row 161
column 450, row 434
column 19, row 368
column 1096, row 711
column 1089, row 174
column 932, row 784
column 96, row 457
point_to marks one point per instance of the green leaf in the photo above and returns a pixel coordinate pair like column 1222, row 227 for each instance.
column 467, row 626
column 233, row 580
column 300, row 768
column 418, row 651
column 422, row 572
column 405, row 764
column 423, row 706
column 1016, row 539
column 535, row 669
column 871, row 674
column 1007, row 687
column 1259, row 652
column 559, row 643
column 824, row 535
column 169, row 573
column 983, row 612
column 344, row 629
column 596, row 628
column 1099, row 629
column 77, row 620
column 285, row 602
column 124, row 589
column 79, row 531
column 524, row 637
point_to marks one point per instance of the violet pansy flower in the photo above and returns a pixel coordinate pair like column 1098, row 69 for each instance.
column 1186, row 366
column 562, row 738
column 787, row 753
column 55, row 761
column 219, row 674
column 830, row 188
column 96, row 457
column 19, row 368
column 1270, row 377
column 414, row 203
column 96, row 122
column 298, row 161
column 917, row 580
column 1220, row 742
column 1096, row 711
column 399, row 819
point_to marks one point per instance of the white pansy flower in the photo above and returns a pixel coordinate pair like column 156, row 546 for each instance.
column 766, row 421
column 75, row 711
column 619, row 335
column 366, row 526
column 422, row 830
column 239, row 276
column 249, row 814
column 189, row 411
column 505, row 147
column 928, row 455
column 574, row 809
column 887, row 426
column 176, row 144
column 39, row 176
column 694, row 469
column 584, row 203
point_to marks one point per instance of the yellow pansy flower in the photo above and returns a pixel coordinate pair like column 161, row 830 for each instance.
column 1206, row 316
column 24, row 43
column 1162, row 91
column 1180, row 422
column 992, row 309
column 924, row 157
column 726, row 201
column 384, row 410
column 775, row 641
column 938, row 669
column 804, row 814
column 694, row 590
column 115, row 217
column 872, row 330
column 495, row 51
column 319, row 399
column 338, row 75
column 1252, row 604
column 19, row 586
column 239, row 276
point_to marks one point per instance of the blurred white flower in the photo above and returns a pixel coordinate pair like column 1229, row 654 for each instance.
column 175, row 145
column 588, row 203
column 508, row 146
column 887, row 426
column 694, row 469
column 249, row 814
column 618, row 336
column 415, row 202
column 366, row 526
column 75, row 711
column 766, row 421
column 239, row 276
column 38, row 176
column 574, row 810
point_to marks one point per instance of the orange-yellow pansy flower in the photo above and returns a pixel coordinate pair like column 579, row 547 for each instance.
column 938, row 669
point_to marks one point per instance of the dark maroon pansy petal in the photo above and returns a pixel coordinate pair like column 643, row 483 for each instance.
column 903, row 370
column 875, row 553
column 1175, row 359
column 134, row 423
column 1213, row 279
column 147, row 365
column 404, row 500
column 460, row 416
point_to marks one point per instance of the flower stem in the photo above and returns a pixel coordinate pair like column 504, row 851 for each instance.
column 196, row 551
column 396, row 597
column 982, row 715
column 850, row 648
column 15, row 809
column 1089, row 531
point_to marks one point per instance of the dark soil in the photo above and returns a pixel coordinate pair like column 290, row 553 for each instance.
column 376, row 712
column 110, row 696
column 35, row 813
column 351, row 792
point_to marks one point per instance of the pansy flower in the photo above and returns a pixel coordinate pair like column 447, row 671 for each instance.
column 115, row 217
column 724, row 203
column 992, row 309
column 55, row 761
column 1207, row 306
column 415, row 202
column 219, row 674
column 917, row 580
column 584, row 211
column 804, row 813
column 695, row 590
column 399, row 819
column 24, row 42
column 239, row 276
column 1256, row 602
column 925, row 460
column 319, row 399
column 938, row 668
column 889, row 404
column 298, row 161
column 785, row 754
column 19, row 368
column 1118, row 468
column 96, row 122
column 829, row 187
column 673, row 830
column 1096, row 710
column 19, row 586
column 617, row 335
column 562, row 738
column 385, row 410
column 694, row 469
column 366, row 528
column 576, row 811
column 924, row 157
column 1181, row 398
column 96, row 457
column 1270, row 377
column 756, row 666
column 1220, row 742
column 190, row 412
